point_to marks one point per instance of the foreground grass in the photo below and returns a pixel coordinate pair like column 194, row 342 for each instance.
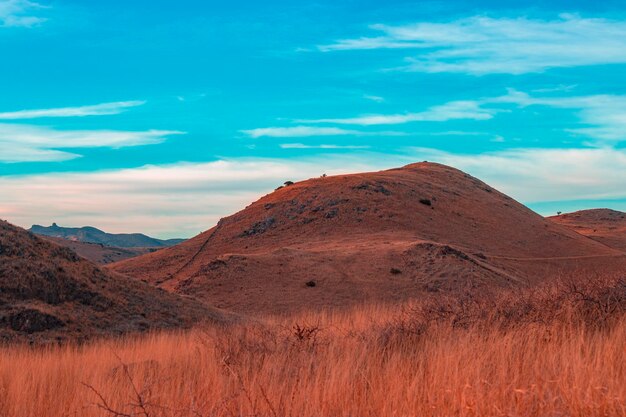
column 370, row 361
column 249, row 371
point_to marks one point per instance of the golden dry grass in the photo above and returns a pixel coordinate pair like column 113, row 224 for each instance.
column 369, row 361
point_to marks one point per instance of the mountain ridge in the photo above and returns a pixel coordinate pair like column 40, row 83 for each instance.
column 90, row 234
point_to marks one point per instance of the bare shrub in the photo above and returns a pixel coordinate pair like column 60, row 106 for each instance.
column 305, row 335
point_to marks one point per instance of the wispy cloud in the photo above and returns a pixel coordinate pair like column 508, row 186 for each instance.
column 562, row 88
column 303, row 146
column 536, row 174
column 459, row 133
column 485, row 45
column 297, row 131
column 172, row 200
column 20, row 13
column 454, row 110
column 103, row 109
column 311, row 131
column 492, row 137
column 185, row 198
column 604, row 116
column 26, row 143
column 377, row 99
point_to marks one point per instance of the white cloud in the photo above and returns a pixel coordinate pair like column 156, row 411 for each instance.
column 172, row 200
column 103, row 109
column 186, row 198
column 536, row 175
column 20, row 13
column 27, row 143
column 303, row 146
column 603, row 115
column 485, row 45
column 377, row 99
column 454, row 110
column 561, row 88
column 459, row 133
column 308, row 131
column 297, row 131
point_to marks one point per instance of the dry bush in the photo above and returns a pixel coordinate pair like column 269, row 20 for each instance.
column 556, row 350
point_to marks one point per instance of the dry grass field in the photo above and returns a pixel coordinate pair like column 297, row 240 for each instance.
column 553, row 351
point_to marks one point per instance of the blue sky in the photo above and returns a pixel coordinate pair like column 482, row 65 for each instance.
column 163, row 117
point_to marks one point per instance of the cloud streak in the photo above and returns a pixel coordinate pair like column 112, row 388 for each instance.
column 485, row 45
column 454, row 110
column 172, row 200
column 604, row 116
column 26, row 143
column 20, row 13
column 311, row 131
column 538, row 175
column 185, row 198
column 103, row 109
column 322, row 146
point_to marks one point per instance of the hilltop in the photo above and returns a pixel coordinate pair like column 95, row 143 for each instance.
column 379, row 236
column 604, row 225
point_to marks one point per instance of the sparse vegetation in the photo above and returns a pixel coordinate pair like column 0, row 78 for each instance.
column 552, row 350
column 377, row 187
column 426, row 201
column 259, row 227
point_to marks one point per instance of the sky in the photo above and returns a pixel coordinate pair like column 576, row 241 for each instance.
column 162, row 117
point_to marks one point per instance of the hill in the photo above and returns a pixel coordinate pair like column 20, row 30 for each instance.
column 48, row 293
column 381, row 236
column 97, row 252
column 603, row 225
column 92, row 235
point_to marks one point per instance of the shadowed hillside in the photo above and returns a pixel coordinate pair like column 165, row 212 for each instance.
column 47, row 293
column 97, row 252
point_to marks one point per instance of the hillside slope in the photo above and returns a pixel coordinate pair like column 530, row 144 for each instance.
column 92, row 235
column 604, row 225
column 97, row 252
column 381, row 236
column 49, row 293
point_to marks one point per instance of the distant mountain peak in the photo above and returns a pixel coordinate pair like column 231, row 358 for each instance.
column 90, row 234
